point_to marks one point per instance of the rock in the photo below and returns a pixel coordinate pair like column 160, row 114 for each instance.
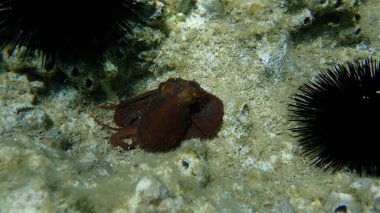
column 32, row 119
column 342, row 202
column 151, row 195
column 282, row 206
column 192, row 165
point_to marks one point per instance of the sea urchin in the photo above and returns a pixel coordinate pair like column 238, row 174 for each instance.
column 338, row 117
column 67, row 30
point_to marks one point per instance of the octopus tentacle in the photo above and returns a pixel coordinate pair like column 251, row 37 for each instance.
column 117, row 138
column 132, row 100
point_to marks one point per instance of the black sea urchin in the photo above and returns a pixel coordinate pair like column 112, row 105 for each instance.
column 67, row 30
column 339, row 117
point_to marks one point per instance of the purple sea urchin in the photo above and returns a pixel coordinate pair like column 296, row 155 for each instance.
column 67, row 30
column 339, row 117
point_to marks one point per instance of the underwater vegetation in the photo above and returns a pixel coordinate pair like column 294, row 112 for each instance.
column 160, row 119
column 338, row 117
column 68, row 30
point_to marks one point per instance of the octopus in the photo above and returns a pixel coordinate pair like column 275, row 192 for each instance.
column 158, row 120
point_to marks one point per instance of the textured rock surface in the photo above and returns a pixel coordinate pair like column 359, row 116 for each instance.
column 252, row 54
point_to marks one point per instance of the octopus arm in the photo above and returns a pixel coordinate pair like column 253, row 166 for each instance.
column 123, row 104
column 117, row 138
column 127, row 112
column 208, row 119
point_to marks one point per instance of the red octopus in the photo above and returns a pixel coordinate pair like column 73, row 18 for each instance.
column 160, row 119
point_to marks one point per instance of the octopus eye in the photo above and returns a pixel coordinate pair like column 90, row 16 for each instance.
column 187, row 96
column 166, row 88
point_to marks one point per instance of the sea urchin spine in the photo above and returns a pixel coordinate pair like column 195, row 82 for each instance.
column 338, row 117
column 68, row 30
